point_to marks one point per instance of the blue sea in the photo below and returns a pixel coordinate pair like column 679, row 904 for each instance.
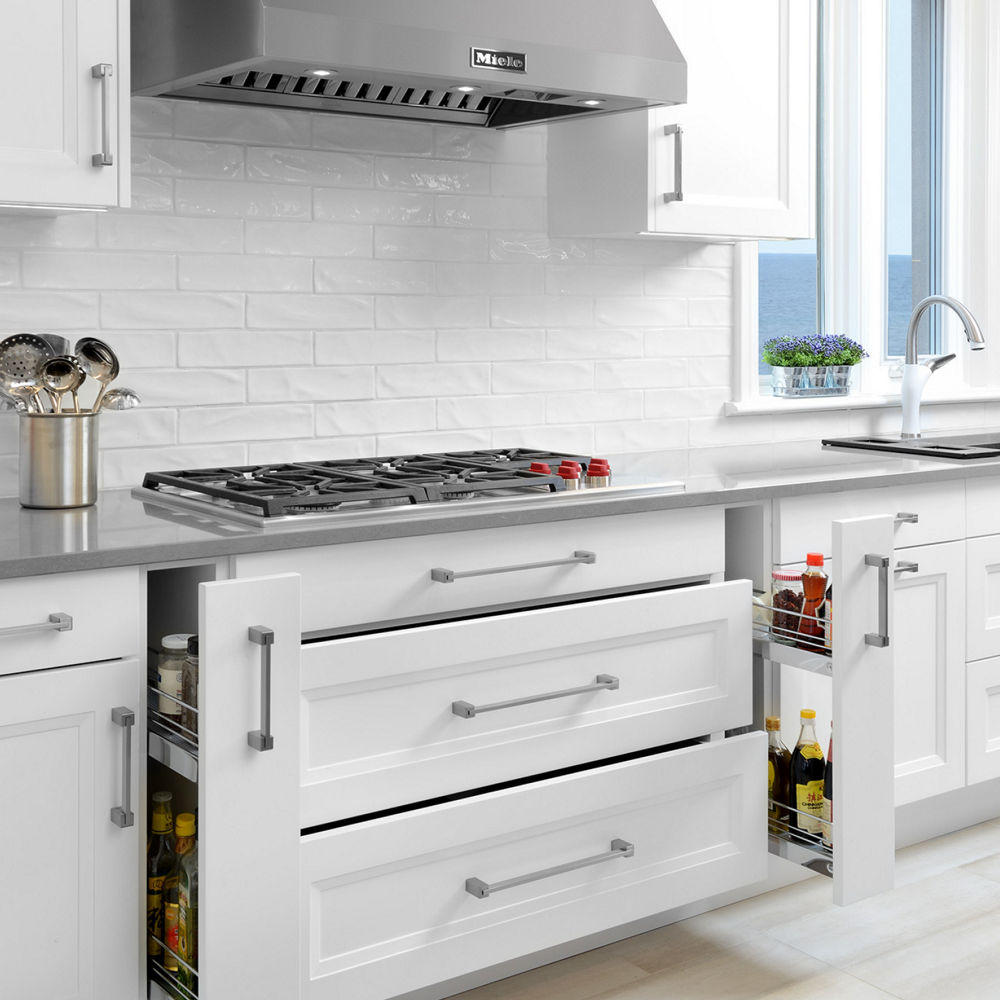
column 787, row 292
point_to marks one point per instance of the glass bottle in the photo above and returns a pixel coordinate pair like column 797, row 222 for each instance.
column 806, row 781
column 160, row 862
column 169, row 673
column 187, row 898
column 814, row 581
column 189, row 685
column 786, row 602
column 828, row 795
column 183, row 844
column 778, row 763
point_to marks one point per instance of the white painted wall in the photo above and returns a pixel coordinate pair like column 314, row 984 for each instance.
column 294, row 286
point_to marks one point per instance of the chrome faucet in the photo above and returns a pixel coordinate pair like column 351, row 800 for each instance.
column 915, row 375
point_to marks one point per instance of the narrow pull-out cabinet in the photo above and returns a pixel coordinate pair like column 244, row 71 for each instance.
column 70, row 920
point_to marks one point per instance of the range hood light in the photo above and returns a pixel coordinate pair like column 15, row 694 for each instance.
column 591, row 103
column 321, row 72
column 466, row 89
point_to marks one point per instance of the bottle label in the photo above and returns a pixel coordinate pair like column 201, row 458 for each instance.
column 170, row 918
column 809, row 799
column 170, row 682
column 770, row 779
column 811, row 751
column 154, row 912
column 827, row 826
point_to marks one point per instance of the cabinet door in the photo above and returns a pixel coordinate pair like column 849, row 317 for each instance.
column 983, row 597
column 51, row 129
column 983, row 719
column 71, row 921
column 248, row 798
column 929, row 699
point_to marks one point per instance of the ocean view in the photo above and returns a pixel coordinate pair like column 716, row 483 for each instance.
column 787, row 294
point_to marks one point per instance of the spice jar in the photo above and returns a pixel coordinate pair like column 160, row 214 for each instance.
column 786, row 600
column 190, row 685
column 169, row 673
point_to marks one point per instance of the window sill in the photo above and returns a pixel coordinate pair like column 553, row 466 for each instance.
column 854, row 401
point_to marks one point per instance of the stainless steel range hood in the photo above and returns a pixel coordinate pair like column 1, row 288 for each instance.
column 469, row 62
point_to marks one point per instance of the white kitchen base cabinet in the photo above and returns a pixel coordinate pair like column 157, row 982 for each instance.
column 983, row 720
column 396, row 904
column 64, row 137
column 741, row 164
column 72, row 915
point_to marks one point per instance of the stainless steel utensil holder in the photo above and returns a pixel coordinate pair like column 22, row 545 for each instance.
column 58, row 459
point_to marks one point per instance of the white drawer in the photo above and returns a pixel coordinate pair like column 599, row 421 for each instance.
column 982, row 506
column 379, row 728
column 983, row 720
column 387, row 580
column 104, row 608
column 384, row 906
column 982, row 597
column 802, row 524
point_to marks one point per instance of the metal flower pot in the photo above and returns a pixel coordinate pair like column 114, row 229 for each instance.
column 819, row 380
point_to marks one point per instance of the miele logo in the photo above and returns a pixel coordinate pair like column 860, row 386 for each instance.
column 512, row 62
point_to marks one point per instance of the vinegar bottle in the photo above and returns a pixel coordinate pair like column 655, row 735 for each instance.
column 806, row 782
column 814, row 582
column 828, row 795
column 778, row 761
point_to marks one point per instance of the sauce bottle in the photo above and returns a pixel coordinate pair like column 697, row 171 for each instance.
column 160, row 862
column 814, row 581
column 806, row 781
column 828, row 795
column 778, row 763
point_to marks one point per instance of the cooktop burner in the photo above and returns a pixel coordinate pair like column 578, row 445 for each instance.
column 302, row 488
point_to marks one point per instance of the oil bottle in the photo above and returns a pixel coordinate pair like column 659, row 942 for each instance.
column 806, row 782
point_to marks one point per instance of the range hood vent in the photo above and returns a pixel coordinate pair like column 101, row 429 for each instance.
column 461, row 61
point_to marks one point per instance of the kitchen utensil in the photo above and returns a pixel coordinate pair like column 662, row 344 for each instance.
column 23, row 354
column 99, row 362
column 60, row 375
column 120, row 399
column 23, row 389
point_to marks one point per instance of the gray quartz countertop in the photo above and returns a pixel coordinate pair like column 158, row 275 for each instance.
column 120, row 530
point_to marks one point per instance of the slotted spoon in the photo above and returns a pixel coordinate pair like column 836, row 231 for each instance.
column 23, row 354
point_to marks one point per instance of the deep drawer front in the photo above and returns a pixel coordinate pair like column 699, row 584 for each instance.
column 384, row 905
column 408, row 715
column 350, row 584
column 103, row 606
column 982, row 506
column 802, row 524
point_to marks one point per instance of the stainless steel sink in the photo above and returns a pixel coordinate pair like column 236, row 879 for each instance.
column 966, row 447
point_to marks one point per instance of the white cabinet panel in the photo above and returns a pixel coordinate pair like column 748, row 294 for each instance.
column 983, row 596
column 51, row 131
column 378, row 724
column 384, row 904
column 929, row 702
column 983, row 719
column 70, row 922
column 747, row 142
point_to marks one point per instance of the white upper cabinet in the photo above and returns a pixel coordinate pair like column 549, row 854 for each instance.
column 64, row 124
column 741, row 165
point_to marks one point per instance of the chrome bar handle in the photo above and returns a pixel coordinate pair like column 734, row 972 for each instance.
column 450, row 575
column 905, row 518
column 906, row 567
column 57, row 622
column 881, row 637
column 678, row 192
column 262, row 739
column 104, row 72
column 122, row 816
column 480, row 889
column 466, row 710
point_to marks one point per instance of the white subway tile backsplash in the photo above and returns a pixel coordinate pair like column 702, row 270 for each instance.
column 229, row 123
column 435, row 311
column 276, row 384
column 10, row 270
column 519, row 145
column 308, row 312
column 399, row 243
column 403, row 444
column 244, row 348
column 309, row 166
column 72, row 231
column 710, row 312
column 301, row 239
column 171, row 310
column 313, row 449
column 460, row 278
column 641, row 435
column 518, row 180
column 517, row 247
column 61, row 269
column 122, row 467
column 400, row 138
column 437, row 176
column 243, row 273
column 375, row 416
column 152, row 194
column 152, row 117
column 126, row 231
column 645, row 374
column 139, row 348
column 36, row 310
column 542, row 376
column 490, row 411
column 248, row 199
column 373, row 347
column 688, row 281
column 187, row 387
column 641, row 312
column 541, row 310
column 576, row 439
column 152, row 427
column 184, row 158
column 593, row 407
column 593, row 279
column 705, row 341
column 373, row 207
column 385, row 277
column 246, row 423
column 482, row 212
column 432, row 380
column 710, row 371
column 684, row 402
column 584, row 343
column 491, row 345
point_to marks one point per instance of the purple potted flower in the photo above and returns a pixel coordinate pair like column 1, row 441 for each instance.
column 814, row 365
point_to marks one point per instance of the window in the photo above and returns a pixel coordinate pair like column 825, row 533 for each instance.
column 879, row 218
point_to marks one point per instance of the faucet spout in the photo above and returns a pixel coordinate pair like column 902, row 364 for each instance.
column 972, row 331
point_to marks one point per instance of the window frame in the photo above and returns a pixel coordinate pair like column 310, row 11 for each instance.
column 853, row 219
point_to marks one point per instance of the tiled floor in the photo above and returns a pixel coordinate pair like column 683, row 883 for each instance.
column 936, row 936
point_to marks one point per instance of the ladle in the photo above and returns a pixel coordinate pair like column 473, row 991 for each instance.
column 99, row 362
column 60, row 375
column 120, row 399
